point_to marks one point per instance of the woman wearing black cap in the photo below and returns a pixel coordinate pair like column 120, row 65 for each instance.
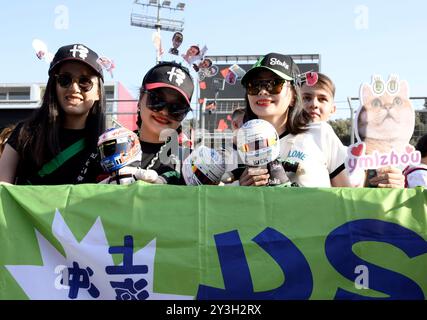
column 58, row 144
column 165, row 97
column 273, row 94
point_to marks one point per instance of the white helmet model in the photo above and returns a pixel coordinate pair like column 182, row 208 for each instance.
column 203, row 166
column 118, row 147
column 257, row 143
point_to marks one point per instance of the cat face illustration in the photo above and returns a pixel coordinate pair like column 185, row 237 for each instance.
column 386, row 115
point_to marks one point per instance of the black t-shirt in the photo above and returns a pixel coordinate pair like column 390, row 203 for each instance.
column 162, row 164
column 82, row 167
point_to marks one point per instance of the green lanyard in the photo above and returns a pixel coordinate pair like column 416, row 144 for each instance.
column 62, row 157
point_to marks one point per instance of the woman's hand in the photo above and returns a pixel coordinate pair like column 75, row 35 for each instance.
column 388, row 177
column 253, row 176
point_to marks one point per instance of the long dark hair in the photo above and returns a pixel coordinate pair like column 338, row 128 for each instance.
column 297, row 119
column 39, row 135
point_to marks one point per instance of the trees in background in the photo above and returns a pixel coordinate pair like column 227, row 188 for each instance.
column 342, row 128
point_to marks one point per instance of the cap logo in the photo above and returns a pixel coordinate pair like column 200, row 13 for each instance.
column 178, row 74
column 81, row 50
column 275, row 61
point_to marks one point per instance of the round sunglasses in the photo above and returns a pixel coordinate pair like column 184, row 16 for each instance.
column 65, row 80
column 175, row 111
column 273, row 86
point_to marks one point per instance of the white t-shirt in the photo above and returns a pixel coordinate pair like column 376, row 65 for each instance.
column 417, row 178
column 318, row 150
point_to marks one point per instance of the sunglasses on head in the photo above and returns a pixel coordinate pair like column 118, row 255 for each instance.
column 65, row 80
column 175, row 111
column 273, row 86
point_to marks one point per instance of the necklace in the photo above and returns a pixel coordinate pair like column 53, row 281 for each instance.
column 156, row 157
column 153, row 161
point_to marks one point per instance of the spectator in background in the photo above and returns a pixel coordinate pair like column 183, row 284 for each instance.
column 416, row 176
column 237, row 121
column 237, row 118
column 318, row 100
column 230, row 152
column 58, row 144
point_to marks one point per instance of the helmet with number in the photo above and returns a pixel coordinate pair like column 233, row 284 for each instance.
column 203, row 166
column 257, row 143
column 118, row 147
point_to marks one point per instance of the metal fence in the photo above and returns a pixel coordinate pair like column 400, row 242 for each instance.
column 207, row 116
column 418, row 103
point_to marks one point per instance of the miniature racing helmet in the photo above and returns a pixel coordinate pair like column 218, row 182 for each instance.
column 203, row 166
column 257, row 143
column 118, row 148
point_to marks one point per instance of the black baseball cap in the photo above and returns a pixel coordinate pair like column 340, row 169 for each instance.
column 76, row 52
column 170, row 75
column 282, row 65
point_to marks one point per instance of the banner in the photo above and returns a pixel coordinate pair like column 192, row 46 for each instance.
column 139, row 241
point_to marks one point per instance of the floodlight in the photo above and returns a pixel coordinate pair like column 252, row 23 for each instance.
column 180, row 6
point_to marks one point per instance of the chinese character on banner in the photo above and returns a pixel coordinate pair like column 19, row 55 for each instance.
column 127, row 252
column 79, row 279
column 128, row 290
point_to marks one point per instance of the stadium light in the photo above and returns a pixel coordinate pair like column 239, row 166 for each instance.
column 154, row 21
column 180, row 6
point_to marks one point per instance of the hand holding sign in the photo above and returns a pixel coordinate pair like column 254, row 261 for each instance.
column 384, row 125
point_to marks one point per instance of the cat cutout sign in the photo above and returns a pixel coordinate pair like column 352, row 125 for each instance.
column 384, row 124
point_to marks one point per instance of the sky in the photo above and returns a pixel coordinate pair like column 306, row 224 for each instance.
column 355, row 39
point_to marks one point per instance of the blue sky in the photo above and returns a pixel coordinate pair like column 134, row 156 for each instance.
column 354, row 38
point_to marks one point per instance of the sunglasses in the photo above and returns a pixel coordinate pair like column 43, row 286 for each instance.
column 273, row 86
column 65, row 80
column 175, row 111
